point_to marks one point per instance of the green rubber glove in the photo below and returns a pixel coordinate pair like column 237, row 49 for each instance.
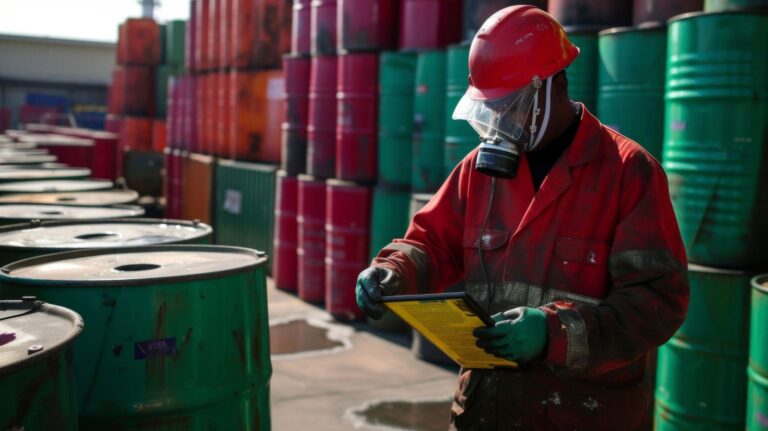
column 520, row 334
column 372, row 284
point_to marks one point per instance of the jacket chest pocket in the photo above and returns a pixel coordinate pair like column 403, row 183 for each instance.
column 492, row 243
column 581, row 266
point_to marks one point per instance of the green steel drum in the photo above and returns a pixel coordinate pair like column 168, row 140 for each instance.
column 162, row 74
column 428, row 122
column 22, row 213
column 701, row 380
column 716, row 136
column 757, row 387
column 55, row 186
column 734, row 5
column 37, row 388
column 177, row 336
column 397, row 74
column 389, row 218
column 460, row 137
column 36, row 238
column 98, row 198
column 175, row 42
column 630, row 83
column 582, row 73
column 244, row 205
column 14, row 175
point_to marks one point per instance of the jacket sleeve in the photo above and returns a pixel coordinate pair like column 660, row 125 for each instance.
column 648, row 299
column 430, row 258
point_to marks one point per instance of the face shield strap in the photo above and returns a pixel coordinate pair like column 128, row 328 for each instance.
column 536, row 134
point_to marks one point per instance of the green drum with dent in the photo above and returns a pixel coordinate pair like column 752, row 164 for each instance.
column 397, row 74
column 630, row 83
column 23, row 241
column 177, row 336
column 428, row 122
column 757, row 388
column 460, row 137
column 716, row 136
column 701, row 379
column 582, row 73
column 37, row 388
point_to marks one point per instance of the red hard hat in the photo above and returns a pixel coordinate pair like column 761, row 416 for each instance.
column 513, row 46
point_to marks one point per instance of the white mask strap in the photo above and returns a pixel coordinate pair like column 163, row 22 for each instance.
column 540, row 133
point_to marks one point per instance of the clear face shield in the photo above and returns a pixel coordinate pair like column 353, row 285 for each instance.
column 504, row 127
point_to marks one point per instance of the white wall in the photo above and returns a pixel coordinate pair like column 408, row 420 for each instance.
column 56, row 60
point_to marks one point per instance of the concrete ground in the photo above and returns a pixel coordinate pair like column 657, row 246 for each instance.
column 322, row 390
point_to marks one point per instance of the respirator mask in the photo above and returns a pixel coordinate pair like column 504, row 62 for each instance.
column 501, row 124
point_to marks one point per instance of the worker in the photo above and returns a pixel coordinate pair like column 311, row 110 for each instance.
column 562, row 229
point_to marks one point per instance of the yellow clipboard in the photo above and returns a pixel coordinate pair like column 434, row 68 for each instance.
column 447, row 320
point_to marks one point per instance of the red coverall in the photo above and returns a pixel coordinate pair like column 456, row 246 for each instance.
column 597, row 248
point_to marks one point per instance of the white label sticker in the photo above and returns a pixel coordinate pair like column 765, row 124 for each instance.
column 276, row 89
column 232, row 201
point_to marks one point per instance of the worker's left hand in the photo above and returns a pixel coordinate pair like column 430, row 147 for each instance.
column 520, row 334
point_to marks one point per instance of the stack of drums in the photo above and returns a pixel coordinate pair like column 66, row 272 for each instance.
column 208, row 312
column 717, row 74
column 36, row 380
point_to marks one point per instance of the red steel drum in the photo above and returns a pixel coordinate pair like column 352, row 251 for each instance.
column 592, row 13
column 324, row 28
column 226, row 35
column 302, row 27
column 103, row 153
column 297, row 70
column 136, row 134
column 133, row 89
column 659, row 11
column 429, row 24
column 113, row 123
column 284, row 263
column 172, row 112
column 311, row 245
column 347, row 236
column 477, row 11
column 321, row 130
column 158, row 136
column 203, row 21
column 224, row 113
column 357, row 117
column 367, row 25
column 190, row 41
column 214, row 34
column 190, row 115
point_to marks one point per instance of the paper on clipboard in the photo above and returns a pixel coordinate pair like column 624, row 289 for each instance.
column 447, row 320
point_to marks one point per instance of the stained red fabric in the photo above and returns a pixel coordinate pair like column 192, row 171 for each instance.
column 597, row 247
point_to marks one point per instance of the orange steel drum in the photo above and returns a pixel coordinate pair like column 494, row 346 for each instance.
column 139, row 42
column 197, row 192
column 134, row 88
column 136, row 134
column 260, row 25
column 257, row 115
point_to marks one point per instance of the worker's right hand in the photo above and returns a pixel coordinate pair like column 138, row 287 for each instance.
column 372, row 284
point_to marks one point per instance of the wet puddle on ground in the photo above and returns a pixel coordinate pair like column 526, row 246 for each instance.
column 405, row 415
column 300, row 337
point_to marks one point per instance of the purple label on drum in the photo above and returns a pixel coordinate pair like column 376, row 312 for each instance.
column 154, row 348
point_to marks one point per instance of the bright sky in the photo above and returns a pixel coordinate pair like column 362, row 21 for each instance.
column 79, row 19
